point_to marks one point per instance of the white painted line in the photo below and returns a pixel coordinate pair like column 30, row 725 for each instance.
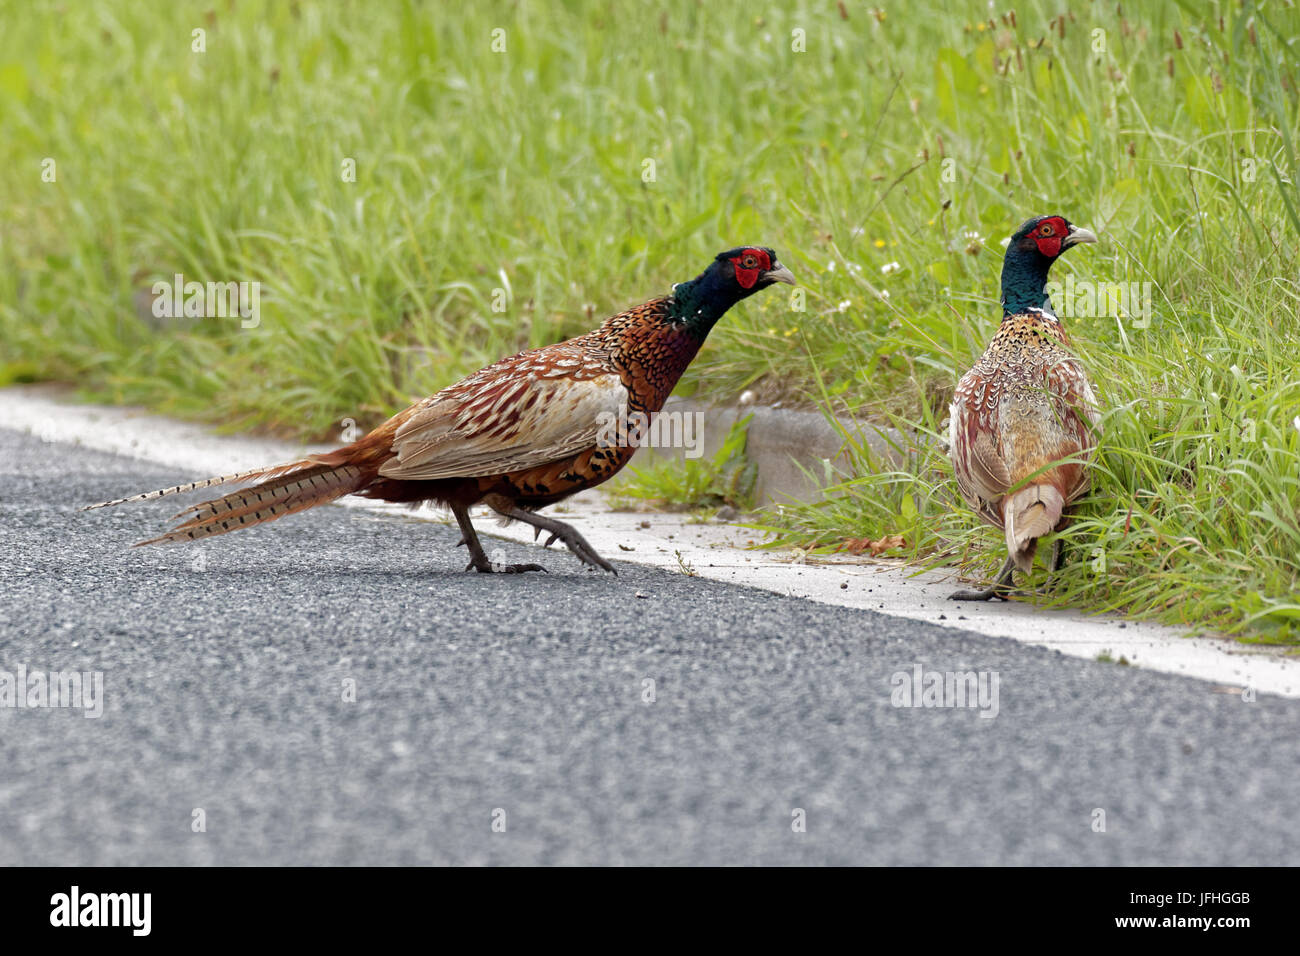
column 713, row 551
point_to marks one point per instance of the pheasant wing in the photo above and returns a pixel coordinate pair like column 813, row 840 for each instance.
column 1080, row 420
column 528, row 410
column 981, row 472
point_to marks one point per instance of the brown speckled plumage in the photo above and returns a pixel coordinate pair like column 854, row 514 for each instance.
column 520, row 434
column 1025, row 414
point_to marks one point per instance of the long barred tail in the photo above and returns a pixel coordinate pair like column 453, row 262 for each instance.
column 279, row 490
column 282, row 490
column 265, row 501
column 205, row 483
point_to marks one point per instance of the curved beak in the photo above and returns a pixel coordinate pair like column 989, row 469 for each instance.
column 1077, row 235
column 779, row 273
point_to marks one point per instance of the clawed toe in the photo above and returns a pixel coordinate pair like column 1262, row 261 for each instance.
column 587, row 555
column 1000, row 589
column 490, row 568
column 1000, row 593
column 559, row 531
column 594, row 560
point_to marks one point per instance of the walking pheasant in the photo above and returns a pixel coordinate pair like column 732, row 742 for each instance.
column 1023, row 421
column 518, row 435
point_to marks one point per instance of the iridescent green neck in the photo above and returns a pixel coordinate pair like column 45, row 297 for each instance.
column 1024, row 281
column 701, row 301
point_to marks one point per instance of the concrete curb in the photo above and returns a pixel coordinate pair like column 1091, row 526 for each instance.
column 781, row 440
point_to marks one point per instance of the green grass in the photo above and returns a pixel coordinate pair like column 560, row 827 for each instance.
column 725, row 478
column 884, row 163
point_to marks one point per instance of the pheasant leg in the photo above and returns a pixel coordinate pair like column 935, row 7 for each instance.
column 1054, row 566
column 477, row 559
column 1001, row 587
column 558, row 529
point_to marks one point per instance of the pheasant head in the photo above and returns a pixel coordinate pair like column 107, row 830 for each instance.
column 1030, row 254
column 733, row 275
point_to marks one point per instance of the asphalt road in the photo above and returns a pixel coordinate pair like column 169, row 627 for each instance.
column 522, row 699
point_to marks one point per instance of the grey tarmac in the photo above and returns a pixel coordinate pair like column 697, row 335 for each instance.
column 525, row 700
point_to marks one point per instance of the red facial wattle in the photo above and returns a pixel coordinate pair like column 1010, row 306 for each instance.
column 747, row 277
column 1050, row 245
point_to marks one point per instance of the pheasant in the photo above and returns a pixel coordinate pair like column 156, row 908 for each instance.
column 518, row 435
column 1023, row 421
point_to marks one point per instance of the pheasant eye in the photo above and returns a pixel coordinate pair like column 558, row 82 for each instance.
column 1046, row 230
column 749, row 261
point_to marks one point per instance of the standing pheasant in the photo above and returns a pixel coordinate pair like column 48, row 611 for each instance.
column 518, row 435
column 1023, row 420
